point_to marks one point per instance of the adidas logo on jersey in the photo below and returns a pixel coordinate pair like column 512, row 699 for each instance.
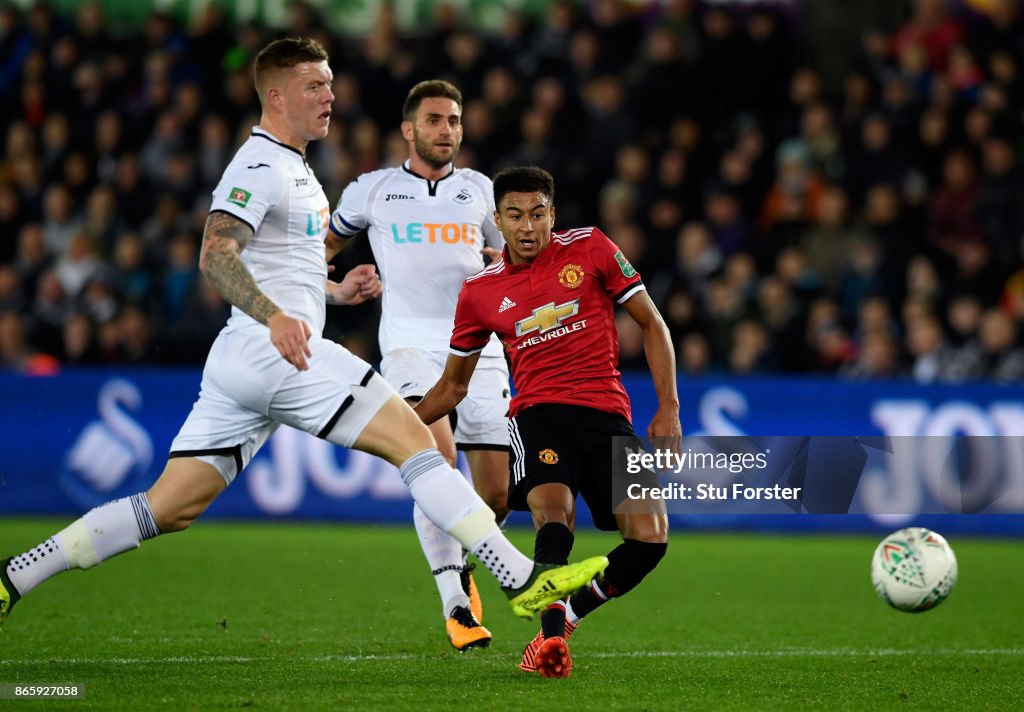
column 506, row 303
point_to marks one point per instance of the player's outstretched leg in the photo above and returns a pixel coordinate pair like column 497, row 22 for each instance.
column 185, row 489
column 446, row 497
column 444, row 554
column 463, row 616
column 398, row 435
column 553, row 544
column 628, row 564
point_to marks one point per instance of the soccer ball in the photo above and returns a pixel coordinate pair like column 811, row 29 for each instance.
column 913, row 569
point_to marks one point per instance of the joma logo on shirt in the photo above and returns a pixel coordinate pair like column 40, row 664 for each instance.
column 397, row 196
column 449, row 233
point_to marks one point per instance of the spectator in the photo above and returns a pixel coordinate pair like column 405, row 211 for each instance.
column 18, row 354
column 182, row 271
column 930, row 27
column 751, row 351
column 12, row 218
column 60, row 224
column 79, row 343
column 698, row 258
column 877, row 359
column 78, row 266
column 1003, row 359
column 829, row 241
column 11, row 297
column 779, row 311
column 793, row 202
column 999, row 198
column 729, row 231
column 926, row 347
column 131, row 277
column 692, row 134
column 954, row 209
column 1011, row 299
column 135, row 341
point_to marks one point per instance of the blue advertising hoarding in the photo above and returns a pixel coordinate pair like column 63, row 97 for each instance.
column 74, row 440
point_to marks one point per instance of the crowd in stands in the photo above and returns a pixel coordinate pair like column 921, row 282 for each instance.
column 868, row 228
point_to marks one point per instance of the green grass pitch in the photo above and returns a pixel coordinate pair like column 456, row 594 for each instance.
column 282, row 616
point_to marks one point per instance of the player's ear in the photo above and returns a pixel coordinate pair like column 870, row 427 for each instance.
column 552, row 213
column 407, row 132
column 273, row 95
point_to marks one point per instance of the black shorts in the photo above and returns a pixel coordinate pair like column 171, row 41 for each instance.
column 571, row 445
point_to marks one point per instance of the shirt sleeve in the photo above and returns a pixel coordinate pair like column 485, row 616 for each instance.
column 248, row 193
column 620, row 280
column 350, row 217
column 470, row 335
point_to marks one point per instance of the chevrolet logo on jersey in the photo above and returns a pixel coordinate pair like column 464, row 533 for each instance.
column 547, row 317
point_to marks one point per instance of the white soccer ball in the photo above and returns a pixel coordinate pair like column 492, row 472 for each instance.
column 913, row 569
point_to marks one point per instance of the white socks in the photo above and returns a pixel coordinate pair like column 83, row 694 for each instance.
column 444, row 554
column 36, row 565
column 448, row 501
column 100, row 534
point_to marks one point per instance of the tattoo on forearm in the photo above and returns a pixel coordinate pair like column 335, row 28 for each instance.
column 223, row 241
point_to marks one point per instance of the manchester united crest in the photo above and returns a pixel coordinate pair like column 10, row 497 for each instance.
column 548, row 456
column 571, row 276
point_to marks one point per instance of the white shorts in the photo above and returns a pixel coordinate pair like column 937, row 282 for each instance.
column 248, row 389
column 481, row 419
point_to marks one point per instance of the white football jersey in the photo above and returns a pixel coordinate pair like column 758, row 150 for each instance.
column 270, row 186
column 426, row 237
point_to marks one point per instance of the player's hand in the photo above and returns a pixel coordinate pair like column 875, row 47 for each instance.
column 360, row 283
column 291, row 338
column 490, row 254
column 665, row 430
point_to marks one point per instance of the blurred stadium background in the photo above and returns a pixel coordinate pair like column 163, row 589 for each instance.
column 824, row 198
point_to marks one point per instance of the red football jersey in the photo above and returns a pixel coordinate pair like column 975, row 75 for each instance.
column 556, row 319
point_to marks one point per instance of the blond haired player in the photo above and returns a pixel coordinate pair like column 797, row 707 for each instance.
column 263, row 249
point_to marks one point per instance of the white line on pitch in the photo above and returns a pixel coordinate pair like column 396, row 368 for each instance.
column 784, row 653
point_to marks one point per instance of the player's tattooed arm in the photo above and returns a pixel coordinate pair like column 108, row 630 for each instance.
column 220, row 260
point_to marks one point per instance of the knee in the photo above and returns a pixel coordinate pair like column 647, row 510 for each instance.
column 495, row 496
column 174, row 517
column 650, row 529
column 500, row 509
column 550, row 515
column 175, row 522
column 450, row 454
